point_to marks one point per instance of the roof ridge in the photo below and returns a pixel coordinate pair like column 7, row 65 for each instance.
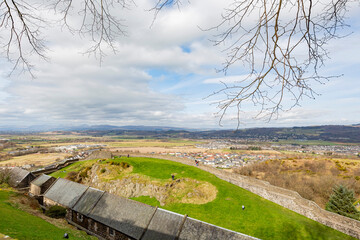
column 79, row 198
column 50, row 186
column 147, row 226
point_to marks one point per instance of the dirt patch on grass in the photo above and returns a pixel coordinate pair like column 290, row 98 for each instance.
column 202, row 193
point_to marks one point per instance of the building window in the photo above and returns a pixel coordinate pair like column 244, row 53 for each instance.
column 80, row 217
column 111, row 232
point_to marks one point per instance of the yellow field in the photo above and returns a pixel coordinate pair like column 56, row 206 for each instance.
column 127, row 143
column 39, row 159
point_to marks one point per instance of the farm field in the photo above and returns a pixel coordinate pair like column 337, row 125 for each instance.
column 261, row 218
column 39, row 159
column 114, row 144
column 153, row 143
column 120, row 143
column 22, row 225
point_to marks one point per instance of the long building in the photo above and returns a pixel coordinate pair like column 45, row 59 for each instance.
column 112, row 217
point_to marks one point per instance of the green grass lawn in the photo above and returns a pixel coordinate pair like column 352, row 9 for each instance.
column 22, row 225
column 261, row 218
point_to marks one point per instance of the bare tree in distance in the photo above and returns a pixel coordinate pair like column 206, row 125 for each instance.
column 281, row 44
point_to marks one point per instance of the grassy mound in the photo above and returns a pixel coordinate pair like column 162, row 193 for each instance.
column 22, row 225
column 261, row 218
column 120, row 179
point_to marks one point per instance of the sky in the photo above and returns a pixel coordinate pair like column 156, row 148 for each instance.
column 162, row 74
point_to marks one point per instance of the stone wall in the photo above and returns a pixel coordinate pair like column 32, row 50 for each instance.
column 48, row 203
column 100, row 154
column 93, row 227
column 55, row 167
column 293, row 201
column 35, row 190
column 284, row 197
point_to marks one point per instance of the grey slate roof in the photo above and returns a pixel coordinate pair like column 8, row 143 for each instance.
column 124, row 215
column 41, row 180
column 65, row 192
column 135, row 219
column 164, row 225
column 195, row 229
column 88, row 201
column 17, row 175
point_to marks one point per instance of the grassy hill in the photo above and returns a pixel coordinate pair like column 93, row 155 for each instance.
column 22, row 225
column 261, row 218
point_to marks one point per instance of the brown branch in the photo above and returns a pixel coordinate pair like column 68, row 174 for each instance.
column 275, row 38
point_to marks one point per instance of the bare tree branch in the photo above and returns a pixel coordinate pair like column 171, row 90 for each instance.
column 98, row 21
column 22, row 30
column 273, row 49
column 161, row 4
column 21, row 25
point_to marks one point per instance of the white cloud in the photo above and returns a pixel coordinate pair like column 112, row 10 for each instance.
column 227, row 79
column 74, row 88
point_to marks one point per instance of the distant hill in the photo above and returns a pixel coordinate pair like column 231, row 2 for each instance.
column 85, row 127
column 334, row 133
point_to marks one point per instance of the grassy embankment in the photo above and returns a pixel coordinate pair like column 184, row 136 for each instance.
column 261, row 218
column 22, row 225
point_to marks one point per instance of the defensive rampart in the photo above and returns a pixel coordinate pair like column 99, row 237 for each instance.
column 55, row 167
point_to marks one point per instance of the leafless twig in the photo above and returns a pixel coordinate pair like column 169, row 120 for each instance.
column 99, row 21
column 283, row 48
column 21, row 37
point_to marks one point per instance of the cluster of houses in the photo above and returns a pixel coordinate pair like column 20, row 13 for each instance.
column 27, row 150
column 112, row 217
column 224, row 160
column 318, row 149
column 333, row 149
column 72, row 148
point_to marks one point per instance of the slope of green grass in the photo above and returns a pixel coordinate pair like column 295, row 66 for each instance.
column 22, row 225
column 261, row 218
